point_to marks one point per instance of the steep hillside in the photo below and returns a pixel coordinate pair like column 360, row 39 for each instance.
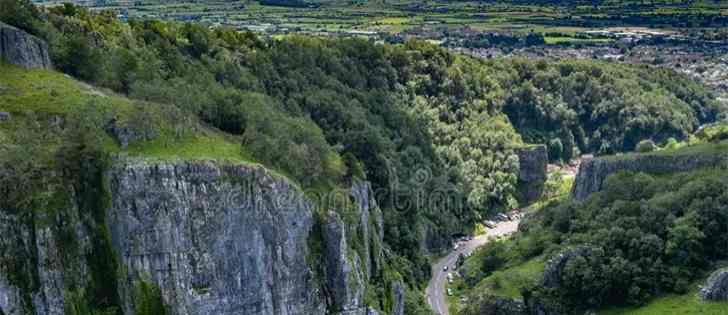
column 130, row 161
column 593, row 172
column 124, row 206
column 656, row 226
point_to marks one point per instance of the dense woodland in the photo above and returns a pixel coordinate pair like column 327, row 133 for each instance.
column 642, row 237
column 324, row 111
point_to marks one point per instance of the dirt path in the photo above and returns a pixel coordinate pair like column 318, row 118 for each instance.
column 436, row 296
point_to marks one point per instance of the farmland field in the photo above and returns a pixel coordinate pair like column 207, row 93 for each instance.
column 394, row 17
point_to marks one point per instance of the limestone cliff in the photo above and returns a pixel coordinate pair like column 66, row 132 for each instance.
column 214, row 238
column 533, row 161
column 20, row 48
column 593, row 172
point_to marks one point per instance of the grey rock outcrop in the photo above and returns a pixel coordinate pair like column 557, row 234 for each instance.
column 343, row 276
column 20, row 48
column 215, row 239
column 371, row 226
column 128, row 133
column 533, row 161
column 593, row 172
column 716, row 287
column 555, row 266
column 398, row 297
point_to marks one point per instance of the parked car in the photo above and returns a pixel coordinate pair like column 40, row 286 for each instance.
column 449, row 291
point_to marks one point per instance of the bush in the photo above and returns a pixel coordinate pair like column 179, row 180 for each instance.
column 672, row 144
column 645, row 146
column 495, row 256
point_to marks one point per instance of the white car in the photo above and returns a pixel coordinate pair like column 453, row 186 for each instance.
column 444, row 268
column 449, row 291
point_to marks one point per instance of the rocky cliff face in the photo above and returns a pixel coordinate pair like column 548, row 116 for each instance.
column 214, row 238
column 20, row 48
column 39, row 264
column 533, row 161
column 344, row 276
column 593, row 172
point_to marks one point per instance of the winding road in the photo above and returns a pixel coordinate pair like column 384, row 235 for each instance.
column 436, row 287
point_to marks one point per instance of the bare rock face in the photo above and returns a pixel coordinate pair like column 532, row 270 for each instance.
column 398, row 297
column 14, row 255
column 593, row 172
column 716, row 287
column 37, row 265
column 129, row 133
column 215, row 239
column 533, row 161
column 343, row 273
column 371, row 226
column 20, row 48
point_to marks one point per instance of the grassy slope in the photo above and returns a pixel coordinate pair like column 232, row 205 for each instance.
column 48, row 93
column 685, row 304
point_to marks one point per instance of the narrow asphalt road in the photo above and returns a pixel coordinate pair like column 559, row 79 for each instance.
column 436, row 295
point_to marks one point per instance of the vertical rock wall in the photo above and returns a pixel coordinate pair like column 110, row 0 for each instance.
column 533, row 161
column 20, row 48
column 215, row 239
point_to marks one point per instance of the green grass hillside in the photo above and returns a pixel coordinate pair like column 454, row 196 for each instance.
column 684, row 304
column 41, row 95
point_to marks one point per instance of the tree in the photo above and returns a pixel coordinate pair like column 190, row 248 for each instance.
column 21, row 14
column 556, row 150
column 79, row 58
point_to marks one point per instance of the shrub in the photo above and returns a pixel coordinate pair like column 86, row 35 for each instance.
column 645, row 146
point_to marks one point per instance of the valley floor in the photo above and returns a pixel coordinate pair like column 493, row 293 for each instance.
column 436, row 295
